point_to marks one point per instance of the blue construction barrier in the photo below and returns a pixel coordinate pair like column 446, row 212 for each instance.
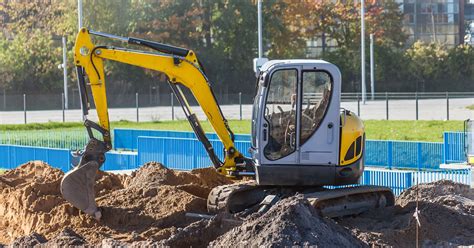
column 188, row 154
column 127, row 138
column 454, row 145
column 12, row 156
column 181, row 153
column 392, row 154
column 404, row 154
column 120, row 160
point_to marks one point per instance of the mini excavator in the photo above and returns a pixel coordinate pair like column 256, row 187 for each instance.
column 302, row 141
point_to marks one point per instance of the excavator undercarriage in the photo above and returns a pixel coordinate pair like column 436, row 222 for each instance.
column 245, row 198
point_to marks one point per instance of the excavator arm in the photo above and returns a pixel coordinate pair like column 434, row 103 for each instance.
column 182, row 69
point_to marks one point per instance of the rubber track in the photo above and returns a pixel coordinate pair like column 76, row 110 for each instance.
column 218, row 199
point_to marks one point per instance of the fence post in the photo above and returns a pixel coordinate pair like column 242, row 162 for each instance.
column 4, row 99
column 416, row 100
column 358, row 104
column 63, row 107
column 24, row 107
column 390, row 154
column 240, row 104
column 172, row 107
column 447, row 105
column 446, row 148
column 419, row 156
column 386, row 104
column 136, row 105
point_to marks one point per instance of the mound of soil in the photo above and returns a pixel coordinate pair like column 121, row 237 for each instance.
column 148, row 205
column 291, row 222
column 445, row 213
column 148, row 208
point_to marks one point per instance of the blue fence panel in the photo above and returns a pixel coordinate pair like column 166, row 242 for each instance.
column 404, row 154
column 454, row 143
column 127, row 138
column 118, row 160
column 459, row 176
column 179, row 153
column 430, row 155
column 12, row 156
column 175, row 153
column 396, row 180
column 376, row 153
column 151, row 149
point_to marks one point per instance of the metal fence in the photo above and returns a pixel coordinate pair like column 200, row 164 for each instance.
column 404, row 154
column 66, row 139
column 186, row 154
column 127, row 139
column 382, row 153
column 145, row 107
column 13, row 156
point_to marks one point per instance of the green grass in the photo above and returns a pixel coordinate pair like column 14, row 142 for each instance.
column 375, row 129
column 410, row 130
column 470, row 107
column 2, row 171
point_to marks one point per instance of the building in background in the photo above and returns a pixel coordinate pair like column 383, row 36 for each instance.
column 469, row 21
column 442, row 21
column 450, row 22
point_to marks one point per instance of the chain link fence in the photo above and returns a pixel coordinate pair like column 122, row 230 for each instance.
column 17, row 109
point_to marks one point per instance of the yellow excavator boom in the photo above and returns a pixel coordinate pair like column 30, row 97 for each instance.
column 182, row 68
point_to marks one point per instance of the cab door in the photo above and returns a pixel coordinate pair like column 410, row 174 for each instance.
column 278, row 125
column 319, row 113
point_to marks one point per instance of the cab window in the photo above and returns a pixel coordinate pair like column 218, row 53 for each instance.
column 316, row 90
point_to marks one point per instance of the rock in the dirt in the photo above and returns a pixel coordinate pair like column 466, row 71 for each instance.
column 200, row 233
column 66, row 238
column 31, row 240
column 291, row 222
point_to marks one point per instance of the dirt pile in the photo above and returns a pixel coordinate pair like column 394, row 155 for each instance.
column 445, row 213
column 148, row 205
column 148, row 208
column 291, row 222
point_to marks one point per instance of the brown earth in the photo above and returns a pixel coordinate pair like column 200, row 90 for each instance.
column 446, row 215
column 148, row 208
column 149, row 204
column 291, row 222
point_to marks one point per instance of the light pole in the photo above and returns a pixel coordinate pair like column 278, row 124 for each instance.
column 79, row 14
column 372, row 69
column 259, row 20
column 258, row 62
column 362, row 49
column 64, row 65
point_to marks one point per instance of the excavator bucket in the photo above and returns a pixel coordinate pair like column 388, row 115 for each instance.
column 77, row 187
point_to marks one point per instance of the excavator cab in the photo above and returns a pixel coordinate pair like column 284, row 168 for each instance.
column 298, row 127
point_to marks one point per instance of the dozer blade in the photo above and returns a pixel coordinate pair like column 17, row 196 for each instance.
column 77, row 187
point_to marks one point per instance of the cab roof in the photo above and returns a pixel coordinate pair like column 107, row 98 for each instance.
column 271, row 63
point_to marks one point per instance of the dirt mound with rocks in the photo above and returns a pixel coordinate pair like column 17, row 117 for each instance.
column 291, row 222
column 445, row 213
column 148, row 205
column 148, row 208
